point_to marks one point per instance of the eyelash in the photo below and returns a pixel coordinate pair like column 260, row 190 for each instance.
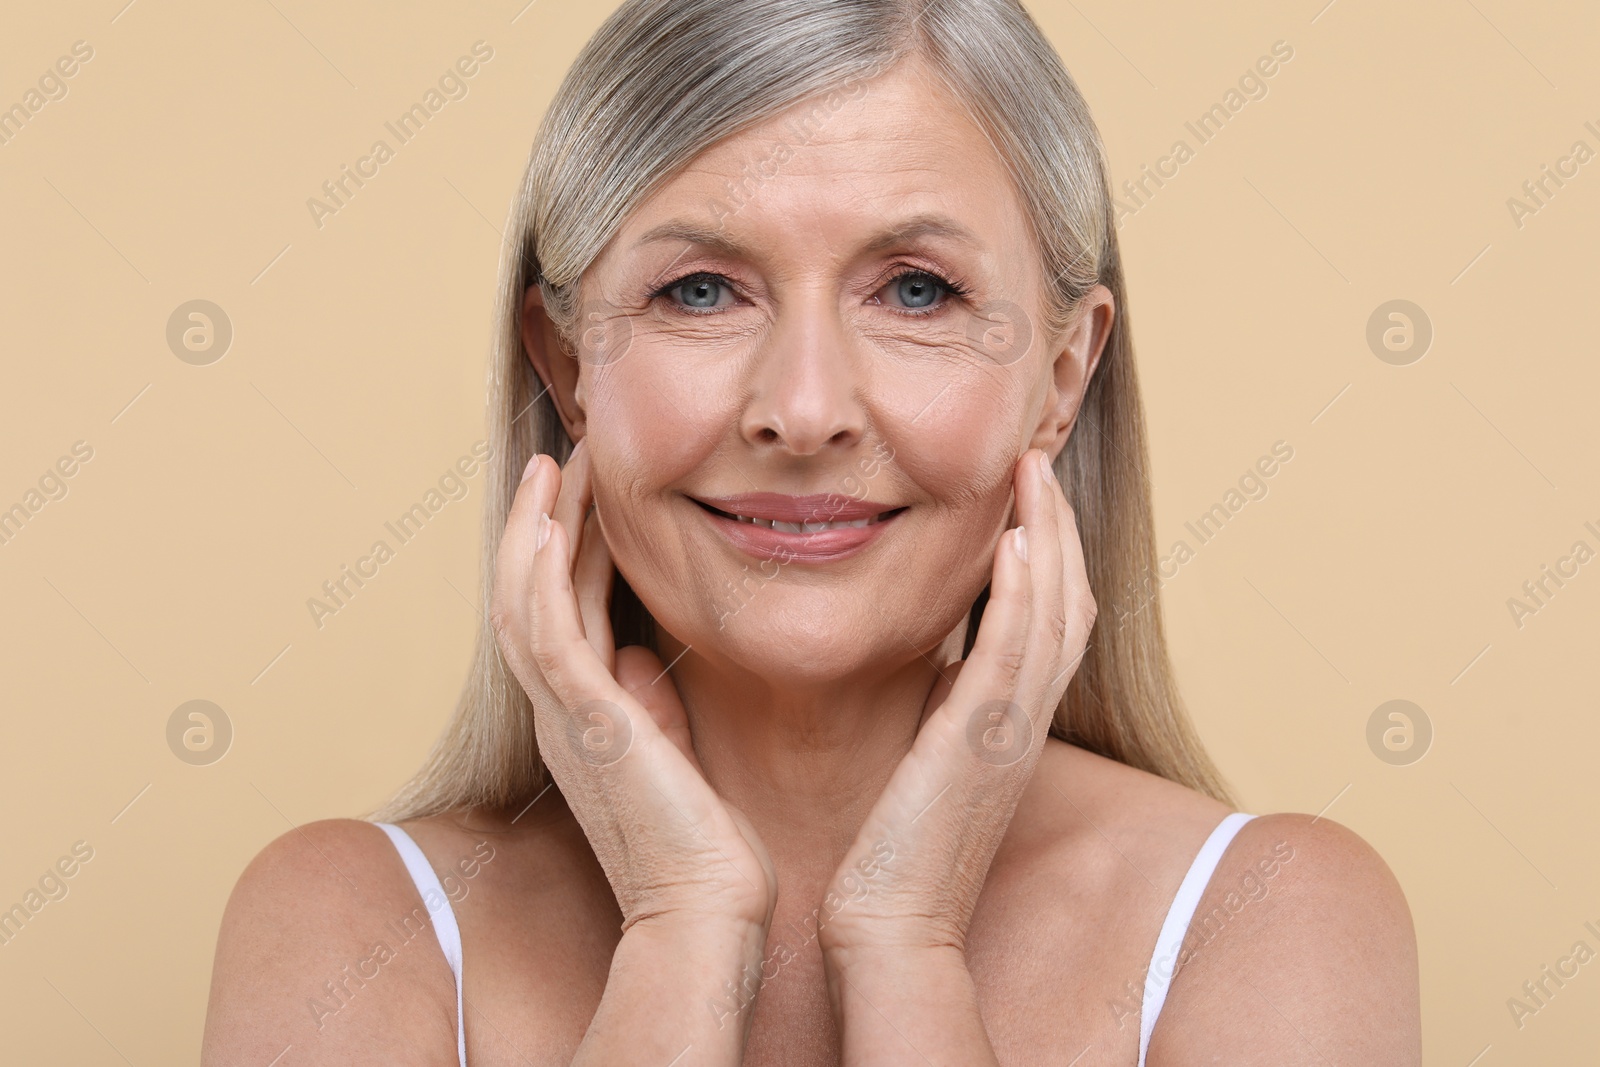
column 952, row 287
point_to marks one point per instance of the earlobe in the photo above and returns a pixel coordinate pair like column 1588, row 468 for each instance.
column 580, row 408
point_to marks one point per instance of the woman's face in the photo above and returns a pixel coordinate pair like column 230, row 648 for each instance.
column 832, row 315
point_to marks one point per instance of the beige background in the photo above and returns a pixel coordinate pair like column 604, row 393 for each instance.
column 220, row 497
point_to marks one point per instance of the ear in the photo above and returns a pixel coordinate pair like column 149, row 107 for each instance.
column 1074, row 366
column 556, row 367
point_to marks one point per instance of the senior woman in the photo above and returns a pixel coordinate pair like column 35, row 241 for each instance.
column 795, row 735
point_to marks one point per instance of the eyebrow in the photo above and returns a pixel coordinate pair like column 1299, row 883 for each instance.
column 927, row 224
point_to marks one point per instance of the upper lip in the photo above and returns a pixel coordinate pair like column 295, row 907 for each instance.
column 813, row 507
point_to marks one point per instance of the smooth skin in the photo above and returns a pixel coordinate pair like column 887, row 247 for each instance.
column 810, row 749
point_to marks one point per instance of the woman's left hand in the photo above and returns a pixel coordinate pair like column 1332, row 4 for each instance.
column 905, row 893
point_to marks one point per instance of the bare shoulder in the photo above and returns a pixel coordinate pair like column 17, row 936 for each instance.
column 1090, row 837
column 325, row 947
column 1079, row 804
column 1301, row 951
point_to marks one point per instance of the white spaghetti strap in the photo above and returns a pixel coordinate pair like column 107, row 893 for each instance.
column 1164, row 960
column 443, row 918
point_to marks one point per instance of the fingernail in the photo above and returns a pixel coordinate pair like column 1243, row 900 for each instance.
column 544, row 531
column 527, row 472
column 1020, row 543
column 1046, row 469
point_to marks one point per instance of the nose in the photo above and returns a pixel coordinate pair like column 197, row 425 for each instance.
column 805, row 382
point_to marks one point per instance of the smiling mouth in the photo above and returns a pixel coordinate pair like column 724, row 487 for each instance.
column 803, row 527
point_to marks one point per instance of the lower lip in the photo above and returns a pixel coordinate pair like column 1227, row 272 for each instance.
column 822, row 546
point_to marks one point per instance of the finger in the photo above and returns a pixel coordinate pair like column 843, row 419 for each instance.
column 1078, row 600
column 993, row 669
column 640, row 673
column 1045, row 552
column 592, row 577
column 514, row 559
column 568, row 663
column 572, row 504
column 940, row 692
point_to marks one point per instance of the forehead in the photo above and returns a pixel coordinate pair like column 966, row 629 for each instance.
column 843, row 167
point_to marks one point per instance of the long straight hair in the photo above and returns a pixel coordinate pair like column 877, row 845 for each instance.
column 661, row 81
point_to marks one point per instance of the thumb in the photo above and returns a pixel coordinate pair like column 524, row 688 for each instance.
column 640, row 672
column 941, row 689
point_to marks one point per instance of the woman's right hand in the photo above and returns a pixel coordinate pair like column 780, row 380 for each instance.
column 611, row 728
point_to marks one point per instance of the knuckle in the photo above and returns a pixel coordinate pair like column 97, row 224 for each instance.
column 509, row 642
column 1088, row 611
column 548, row 661
column 1058, row 627
column 1009, row 663
column 503, row 624
column 500, row 622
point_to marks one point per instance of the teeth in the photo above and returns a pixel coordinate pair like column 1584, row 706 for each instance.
column 806, row 527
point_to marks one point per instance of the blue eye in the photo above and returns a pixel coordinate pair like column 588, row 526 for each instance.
column 700, row 291
column 920, row 291
column 917, row 290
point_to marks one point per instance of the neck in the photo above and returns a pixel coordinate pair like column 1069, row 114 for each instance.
column 804, row 759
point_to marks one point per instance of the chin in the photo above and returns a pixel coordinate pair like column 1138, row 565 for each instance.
column 786, row 638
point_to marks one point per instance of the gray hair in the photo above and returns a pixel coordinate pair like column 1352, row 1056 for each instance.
column 663, row 80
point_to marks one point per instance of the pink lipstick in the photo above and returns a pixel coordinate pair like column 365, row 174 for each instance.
column 813, row 528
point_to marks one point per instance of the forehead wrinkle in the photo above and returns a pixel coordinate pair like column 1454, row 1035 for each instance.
column 717, row 239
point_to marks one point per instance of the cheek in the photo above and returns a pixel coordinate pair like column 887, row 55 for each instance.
column 646, row 432
column 656, row 418
column 961, row 446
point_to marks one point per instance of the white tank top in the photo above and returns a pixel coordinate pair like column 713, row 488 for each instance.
column 1163, row 960
column 444, row 919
